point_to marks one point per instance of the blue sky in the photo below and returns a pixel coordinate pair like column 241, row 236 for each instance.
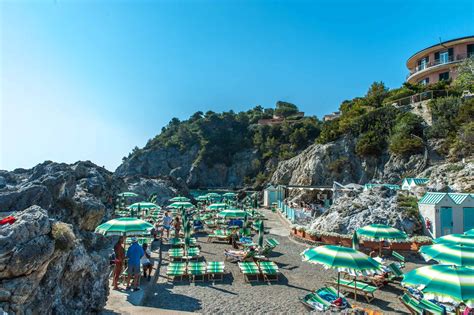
column 92, row 79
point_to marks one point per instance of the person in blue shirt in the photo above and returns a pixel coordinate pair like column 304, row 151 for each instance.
column 134, row 254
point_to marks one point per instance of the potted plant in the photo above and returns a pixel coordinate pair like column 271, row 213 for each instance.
column 420, row 240
column 330, row 238
column 400, row 245
column 312, row 235
column 301, row 231
column 372, row 245
column 294, row 228
column 346, row 240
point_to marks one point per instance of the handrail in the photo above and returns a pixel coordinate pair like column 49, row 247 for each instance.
column 415, row 98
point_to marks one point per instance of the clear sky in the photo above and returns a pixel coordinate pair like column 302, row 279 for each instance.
column 92, row 79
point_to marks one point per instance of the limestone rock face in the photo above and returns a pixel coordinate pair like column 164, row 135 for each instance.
column 50, row 259
column 457, row 177
column 165, row 188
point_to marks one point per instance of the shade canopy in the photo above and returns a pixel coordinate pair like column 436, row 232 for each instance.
column 229, row 195
column 202, row 198
column 179, row 198
column 470, row 232
column 456, row 239
column 343, row 259
column 143, row 205
column 181, row 204
column 232, row 214
column 217, row 206
column 381, row 232
column 443, row 283
column 459, row 255
column 124, row 226
column 127, row 194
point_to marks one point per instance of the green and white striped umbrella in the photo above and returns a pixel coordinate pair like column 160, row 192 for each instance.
column 217, row 206
column 343, row 259
column 229, row 195
column 459, row 255
column 127, row 194
column 124, row 226
column 232, row 214
column 213, row 195
column 201, row 198
column 443, row 283
column 181, row 204
column 381, row 232
column 261, row 232
column 470, row 232
column 143, row 205
column 457, row 239
column 179, row 198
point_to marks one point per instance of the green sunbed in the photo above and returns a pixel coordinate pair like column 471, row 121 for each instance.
column 176, row 253
column 420, row 307
column 176, row 269
column 363, row 288
column 176, row 241
column 272, row 242
column 196, row 269
column 316, row 302
column 221, row 235
column 269, row 270
column 215, row 268
column 249, row 269
column 397, row 273
column 193, row 252
column 400, row 257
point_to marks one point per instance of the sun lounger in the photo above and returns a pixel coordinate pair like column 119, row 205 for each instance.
column 396, row 272
column 175, row 270
column 361, row 288
column 269, row 270
column 221, row 235
column 215, row 268
column 246, row 232
column 174, row 242
column 264, row 253
column 197, row 269
column 400, row 257
column 271, row 242
column 192, row 253
column 239, row 255
column 322, row 300
column 420, row 307
column 176, row 253
column 249, row 270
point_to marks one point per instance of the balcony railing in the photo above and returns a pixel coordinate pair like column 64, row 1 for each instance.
column 423, row 96
column 438, row 62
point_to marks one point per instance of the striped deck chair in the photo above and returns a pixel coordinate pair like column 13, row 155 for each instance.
column 269, row 270
column 249, row 270
column 271, row 242
column 193, row 252
column 176, row 253
column 245, row 232
column 176, row 242
column 361, row 288
column 215, row 268
column 400, row 257
column 220, row 235
column 396, row 272
column 210, row 223
column 175, row 270
column 197, row 269
column 318, row 300
column 420, row 306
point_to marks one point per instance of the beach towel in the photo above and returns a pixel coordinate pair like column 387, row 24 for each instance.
column 8, row 220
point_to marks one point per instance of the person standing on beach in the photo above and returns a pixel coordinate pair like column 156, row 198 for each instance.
column 167, row 224
column 177, row 226
column 119, row 258
column 134, row 254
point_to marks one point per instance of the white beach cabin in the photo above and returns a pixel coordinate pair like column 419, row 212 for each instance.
column 270, row 196
column 447, row 213
column 410, row 183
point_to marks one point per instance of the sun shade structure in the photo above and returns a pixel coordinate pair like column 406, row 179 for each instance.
column 143, row 206
column 179, row 199
column 181, row 204
column 459, row 255
column 213, row 195
column 217, row 206
column 202, row 198
column 443, row 283
column 127, row 194
column 232, row 214
column 456, row 239
column 229, row 195
column 381, row 232
column 470, row 232
column 125, row 227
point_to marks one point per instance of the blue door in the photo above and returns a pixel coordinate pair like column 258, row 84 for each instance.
column 468, row 217
column 446, row 217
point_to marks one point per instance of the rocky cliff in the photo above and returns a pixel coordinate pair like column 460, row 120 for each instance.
column 50, row 259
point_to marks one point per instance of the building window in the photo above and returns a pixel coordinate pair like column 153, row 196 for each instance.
column 423, row 63
column 425, row 81
column 470, row 50
column 444, row 76
column 444, row 57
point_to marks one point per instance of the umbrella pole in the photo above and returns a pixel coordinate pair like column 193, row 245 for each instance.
column 338, row 281
column 380, row 249
column 355, row 288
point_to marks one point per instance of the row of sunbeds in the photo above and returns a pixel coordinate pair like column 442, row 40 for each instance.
column 252, row 271
column 214, row 270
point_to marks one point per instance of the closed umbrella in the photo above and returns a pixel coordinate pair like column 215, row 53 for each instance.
column 355, row 241
column 261, row 232
column 459, row 255
column 125, row 227
column 443, row 283
column 457, row 239
column 380, row 233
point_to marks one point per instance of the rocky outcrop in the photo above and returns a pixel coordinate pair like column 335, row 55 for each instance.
column 458, row 177
column 164, row 188
column 357, row 209
column 50, row 259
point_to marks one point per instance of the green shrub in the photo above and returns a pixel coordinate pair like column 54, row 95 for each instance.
column 337, row 166
column 63, row 235
column 370, row 143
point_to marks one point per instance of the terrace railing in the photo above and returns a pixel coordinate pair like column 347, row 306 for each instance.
column 423, row 96
column 439, row 61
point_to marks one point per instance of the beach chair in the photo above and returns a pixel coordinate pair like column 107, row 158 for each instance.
column 249, row 270
column 396, row 272
column 220, row 235
column 210, row 223
column 322, row 300
column 246, row 232
column 415, row 306
column 360, row 288
column 176, row 253
column 269, row 270
column 197, row 269
column 399, row 257
column 176, row 242
column 215, row 268
column 235, row 256
column 264, row 253
column 192, row 253
column 271, row 242
column 175, row 270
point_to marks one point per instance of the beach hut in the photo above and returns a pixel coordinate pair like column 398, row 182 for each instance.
column 270, row 196
column 410, row 183
column 389, row 186
column 447, row 213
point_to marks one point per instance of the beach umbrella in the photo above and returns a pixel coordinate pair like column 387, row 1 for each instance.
column 229, row 195
column 459, row 255
column 343, row 259
column 124, row 226
column 128, row 194
column 380, row 233
column 213, row 195
column 443, row 283
column 355, row 241
column 469, row 232
column 144, row 205
column 261, row 232
column 232, row 214
column 456, row 239
column 201, row 198
column 217, row 206
column 181, row 204
column 182, row 199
